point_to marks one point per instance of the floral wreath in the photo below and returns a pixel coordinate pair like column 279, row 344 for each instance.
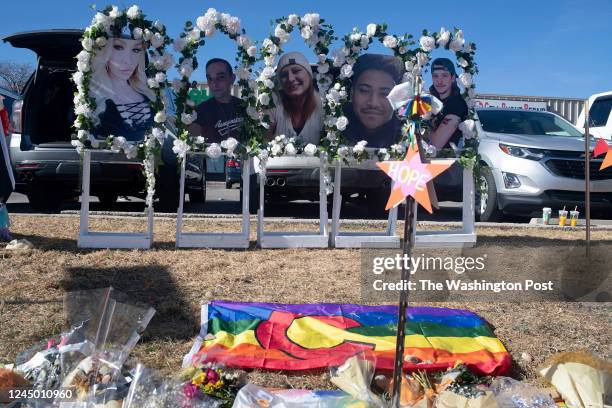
column 107, row 24
column 464, row 53
column 188, row 43
column 317, row 35
column 333, row 140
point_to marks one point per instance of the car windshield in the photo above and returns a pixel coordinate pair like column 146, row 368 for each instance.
column 520, row 122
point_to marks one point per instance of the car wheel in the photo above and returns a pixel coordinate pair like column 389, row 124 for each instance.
column 486, row 198
column 45, row 200
column 108, row 199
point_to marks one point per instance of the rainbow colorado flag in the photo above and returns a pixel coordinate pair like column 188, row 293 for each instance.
column 308, row 336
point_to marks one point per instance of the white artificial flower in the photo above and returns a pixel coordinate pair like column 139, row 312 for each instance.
column 402, row 50
column 310, row 149
column 356, row 36
column 115, row 13
column 95, row 143
column 251, row 51
column 266, row 73
column 276, row 149
column 397, row 148
column 264, row 99
column 462, row 62
column 346, row 71
column 268, row 83
column 290, row 149
column 204, row 23
column 157, row 40
column 444, row 37
column 333, row 96
column 244, row 41
column 341, row 123
column 306, row 32
column 270, row 60
column 323, row 68
column 179, row 44
column 331, row 136
column 360, row 147
column 384, row 154
column 312, row 19
column 422, row 59
column 471, row 92
column 78, row 78
column 83, row 66
column 281, row 33
column 83, row 135
column 87, row 44
column 137, row 33
column 180, row 148
column 343, row 151
column 229, row 144
column 322, row 58
column 130, row 150
column 103, row 20
column 242, row 72
column 458, row 42
column 186, row 69
column 158, row 25
column 152, row 83
column 200, row 140
column 338, row 58
column 371, row 30
column 293, row 19
column 233, row 25
column 82, row 109
column 160, row 77
column 160, row 117
column 466, row 79
column 469, row 47
column 148, row 34
column 390, row 41
column 194, row 35
column 212, row 14
column 176, row 85
column 427, row 43
column 224, row 18
column 101, row 42
column 365, row 41
column 345, row 51
column 213, row 151
column 355, row 48
column 83, row 56
column 133, row 12
column 467, row 127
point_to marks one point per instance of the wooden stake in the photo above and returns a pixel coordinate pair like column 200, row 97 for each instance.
column 587, row 176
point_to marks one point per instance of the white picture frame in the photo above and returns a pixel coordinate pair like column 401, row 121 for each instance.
column 109, row 240
column 224, row 240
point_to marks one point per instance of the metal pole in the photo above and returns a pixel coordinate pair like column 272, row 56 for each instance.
column 587, row 176
column 403, row 303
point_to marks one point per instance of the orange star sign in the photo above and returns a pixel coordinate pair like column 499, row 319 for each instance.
column 411, row 176
column 600, row 148
column 607, row 160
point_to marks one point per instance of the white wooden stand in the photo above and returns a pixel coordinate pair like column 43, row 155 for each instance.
column 387, row 239
column 216, row 239
column 466, row 236
column 292, row 239
column 114, row 240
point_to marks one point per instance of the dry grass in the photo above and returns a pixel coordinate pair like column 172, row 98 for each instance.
column 176, row 282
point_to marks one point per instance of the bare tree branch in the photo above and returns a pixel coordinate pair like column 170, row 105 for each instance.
column 13, row 75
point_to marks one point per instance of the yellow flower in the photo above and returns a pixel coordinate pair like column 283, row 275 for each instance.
column 218, row 385
column 199, row 379
column 209, row 388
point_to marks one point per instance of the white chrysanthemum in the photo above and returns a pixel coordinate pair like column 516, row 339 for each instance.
column 365, row 41
column 194, row 35
column 359, row 148
column 331, row 136
column 87, row 44
column 290, row 149
column 390, row 41
column 310, row 149
column 457, row 42
column 179, row 147
column 179, row 44
column 338, row 58
column 462, row 62
column 355, row 37
column 233, row 25
column 244, row 41
column 341, row 123
column 186, row 69
column 83, row 66
column 83, row 56
column 137, row 33
column 152, row 83
column 444, row 37
column 251, row 51
column 160, row 77
column 158, row 134
column 115, row 12
column 343, row 151
column 229, row 144
column 281, row 33
column 199, row 140
column 427, row 43
column 133, row 12
column 293, row 19
column 468, row 127
column 312, row 19
column 266, row 73
column 242, row 72
column 276, row 149
column 371, row 30
column 78, row 78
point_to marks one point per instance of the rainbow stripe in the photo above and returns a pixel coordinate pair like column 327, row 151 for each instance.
column 307, row 336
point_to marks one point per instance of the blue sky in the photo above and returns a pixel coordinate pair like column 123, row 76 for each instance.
column 538, row 48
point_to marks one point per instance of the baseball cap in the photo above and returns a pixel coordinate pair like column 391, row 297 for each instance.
column 294, row 58
column 443, row 64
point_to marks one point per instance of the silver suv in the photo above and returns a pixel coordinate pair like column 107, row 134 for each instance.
column 533, row 160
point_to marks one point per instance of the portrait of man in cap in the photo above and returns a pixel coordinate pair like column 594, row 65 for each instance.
column 445, row 124
column 370, row 114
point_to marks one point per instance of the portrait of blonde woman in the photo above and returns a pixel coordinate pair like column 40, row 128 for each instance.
column 119, row 87
column 298, row 110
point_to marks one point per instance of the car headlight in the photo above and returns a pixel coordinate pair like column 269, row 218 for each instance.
column 522, row 152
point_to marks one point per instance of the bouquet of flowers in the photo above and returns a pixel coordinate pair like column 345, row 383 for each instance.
column 212, row 380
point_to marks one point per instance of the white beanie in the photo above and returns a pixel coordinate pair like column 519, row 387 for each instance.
column 294, row 58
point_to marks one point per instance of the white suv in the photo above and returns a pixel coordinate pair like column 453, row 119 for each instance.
column 600, row 116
